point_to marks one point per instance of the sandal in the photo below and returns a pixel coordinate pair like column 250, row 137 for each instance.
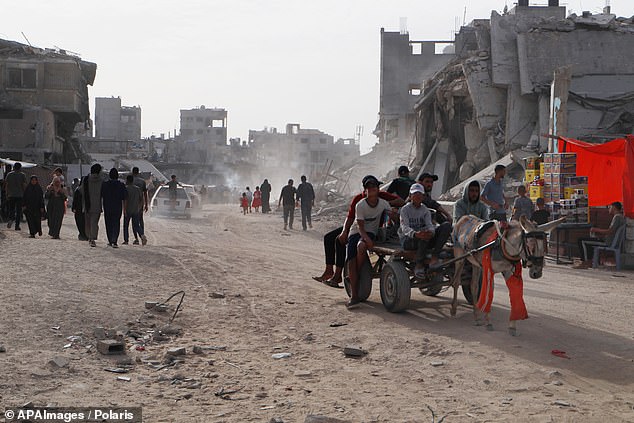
column 331, row 283
column 318, row 278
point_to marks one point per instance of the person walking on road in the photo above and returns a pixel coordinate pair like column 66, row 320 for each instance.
column 257, row 199
column 33, row 202
column 91, row 196
column 249, row 198
column 114, row 194
column 15, row 184
column 266, row 196
column 78, row 211
column 306, row 195
column 288, row 200
column 56, row 196
column 132, row 212
column 142, row 185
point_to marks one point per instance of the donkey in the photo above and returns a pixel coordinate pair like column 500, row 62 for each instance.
column 516, row 242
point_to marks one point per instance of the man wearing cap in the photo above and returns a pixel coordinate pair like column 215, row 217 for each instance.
column 417, row 231
column 400, row 186
column 368, row 212
column 427, row 181
column 493, row 195
column 335, row 241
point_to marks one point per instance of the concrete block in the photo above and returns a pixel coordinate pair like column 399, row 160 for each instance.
column 110, row 346
column 150, row 304
column 59, row 362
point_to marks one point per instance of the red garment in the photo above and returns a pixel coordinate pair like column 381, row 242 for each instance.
column 244, row 202
column 382, row 194
column 609, row 168
column 514, row 284
column 257, row 199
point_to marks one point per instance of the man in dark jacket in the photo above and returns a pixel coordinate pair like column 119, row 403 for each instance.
column 91, row 196
column 470, row 203
column 114, row 194
column 80, row 217
column 400, row 186
column 306, row 195
column 289, row 201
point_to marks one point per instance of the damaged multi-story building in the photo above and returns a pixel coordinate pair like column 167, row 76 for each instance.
column 203, row 136
column 300, row 151
column 493, row 96
column 43, row 95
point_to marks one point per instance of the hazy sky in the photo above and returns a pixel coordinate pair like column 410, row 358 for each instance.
column 267, row 62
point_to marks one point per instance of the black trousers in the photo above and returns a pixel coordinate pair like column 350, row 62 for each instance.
column 334, row 251
column 80, row 222
column 113, row 225
column 587, row 245
column 15, row 210
column 306, row 210
column 436, row 243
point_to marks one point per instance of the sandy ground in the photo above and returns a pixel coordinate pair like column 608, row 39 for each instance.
column 55, row 289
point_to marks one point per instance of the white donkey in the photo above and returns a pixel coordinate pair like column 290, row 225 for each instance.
column 515, row 244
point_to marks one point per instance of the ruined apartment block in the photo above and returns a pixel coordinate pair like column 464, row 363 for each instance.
column 43, row 95
column 405, row 66
column 203, row 136
column 300, row 151
column 117, row 128
column 493, row 97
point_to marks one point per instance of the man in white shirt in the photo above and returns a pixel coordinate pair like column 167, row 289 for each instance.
column 368, row 215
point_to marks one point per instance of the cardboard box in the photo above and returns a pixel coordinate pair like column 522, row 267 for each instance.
column 576, row 180
column 567, row 158
column 532, row 163
column 535, row 192
column 561, row 168
column 542, row 168
column 570, row 191
column 530, row 175
column 557, row 179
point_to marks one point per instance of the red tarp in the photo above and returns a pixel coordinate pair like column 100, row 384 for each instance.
column 609, row 168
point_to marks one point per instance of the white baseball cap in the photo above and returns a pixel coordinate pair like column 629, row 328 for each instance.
column 416, row 188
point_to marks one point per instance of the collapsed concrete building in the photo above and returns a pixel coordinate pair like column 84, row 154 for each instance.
column 299, row 151
column 492, row 97
column 43, row 95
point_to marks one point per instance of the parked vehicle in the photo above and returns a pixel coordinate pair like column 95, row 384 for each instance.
column 193, row 196
column 163, row 205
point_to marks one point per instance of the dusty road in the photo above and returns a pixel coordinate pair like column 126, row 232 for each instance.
column 52, row 290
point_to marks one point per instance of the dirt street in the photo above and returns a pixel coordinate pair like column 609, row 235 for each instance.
column 417, row 361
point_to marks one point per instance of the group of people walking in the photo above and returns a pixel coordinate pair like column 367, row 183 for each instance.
column 91, row 197
column 250, row 200
column 27, row 197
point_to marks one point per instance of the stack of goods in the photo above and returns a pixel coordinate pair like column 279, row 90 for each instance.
column 534, row 177
column 565, row 193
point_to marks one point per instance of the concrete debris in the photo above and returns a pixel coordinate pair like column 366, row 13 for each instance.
column 59, row 362
column 3, row 349
column 354, row 351
column 217, row 295
column 110, row 346
column 278, row 356
column 176, row 351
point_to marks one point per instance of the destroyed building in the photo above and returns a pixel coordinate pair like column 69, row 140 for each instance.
column 300, row 151
column 203, row 136
column 494, row 97
column 117, row 129
column 43, row 95
column 405, row 65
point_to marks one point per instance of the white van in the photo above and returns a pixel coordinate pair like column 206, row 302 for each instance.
column 163, row 205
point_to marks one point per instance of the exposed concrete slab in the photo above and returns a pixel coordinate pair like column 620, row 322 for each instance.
column 489, row 102
column 589, row 53
column 522, row 114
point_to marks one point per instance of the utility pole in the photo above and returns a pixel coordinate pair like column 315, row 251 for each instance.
column 558, row 125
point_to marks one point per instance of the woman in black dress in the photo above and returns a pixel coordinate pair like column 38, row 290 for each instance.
column 56, row 207
column 33, row 203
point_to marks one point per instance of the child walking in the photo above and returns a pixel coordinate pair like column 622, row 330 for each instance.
column 244, row 203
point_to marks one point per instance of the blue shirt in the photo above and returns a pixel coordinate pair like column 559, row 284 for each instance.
column 494, row 191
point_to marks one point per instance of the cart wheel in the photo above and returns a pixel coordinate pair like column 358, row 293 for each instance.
column 395, row 286
column 365, row 280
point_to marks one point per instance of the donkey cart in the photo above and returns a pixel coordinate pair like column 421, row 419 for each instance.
column 394, row 267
